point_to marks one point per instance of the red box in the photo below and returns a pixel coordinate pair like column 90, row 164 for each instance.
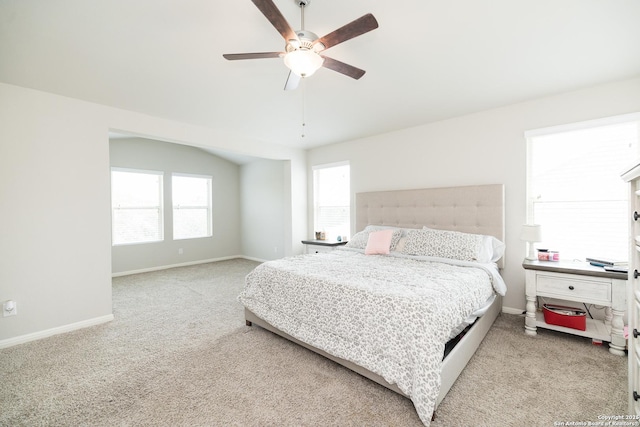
column 569, row 317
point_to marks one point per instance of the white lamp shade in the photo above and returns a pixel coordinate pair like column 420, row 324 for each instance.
column 303, row 62
column 531, row 233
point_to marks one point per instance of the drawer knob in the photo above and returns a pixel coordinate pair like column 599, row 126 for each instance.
column 636, row 396
column 635, row 333
column 635, row 274
column 571, row 287
column 635, row 215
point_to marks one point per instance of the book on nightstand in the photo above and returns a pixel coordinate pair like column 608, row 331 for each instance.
column 601, row 262
column 616, row 268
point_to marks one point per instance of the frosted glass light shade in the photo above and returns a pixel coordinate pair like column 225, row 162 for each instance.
column 303, row 62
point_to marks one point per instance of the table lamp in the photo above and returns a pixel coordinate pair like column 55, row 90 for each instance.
column 531, row 233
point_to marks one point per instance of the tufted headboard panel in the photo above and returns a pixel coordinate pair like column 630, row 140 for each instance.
column 475, row 209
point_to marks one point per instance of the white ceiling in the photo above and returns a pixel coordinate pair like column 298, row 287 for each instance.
column 429, row 60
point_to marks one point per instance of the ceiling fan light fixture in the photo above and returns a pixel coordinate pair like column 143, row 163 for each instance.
column 303, row 62
column 302, row 49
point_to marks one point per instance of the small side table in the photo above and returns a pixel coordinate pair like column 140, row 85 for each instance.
column 317, row 246
column 578, row 282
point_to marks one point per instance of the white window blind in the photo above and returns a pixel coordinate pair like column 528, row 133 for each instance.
column 192, row 206
column 574, row 189
column 332, row 199
column 136, row 204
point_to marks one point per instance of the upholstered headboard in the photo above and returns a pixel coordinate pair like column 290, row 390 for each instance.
column 475, row 209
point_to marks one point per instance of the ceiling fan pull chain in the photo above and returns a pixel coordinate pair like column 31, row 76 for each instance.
column 304, row 98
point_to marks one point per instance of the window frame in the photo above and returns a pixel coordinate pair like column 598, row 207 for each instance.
column 159, row 208
column 315, row 194
column 565, row 128
column 209, row 207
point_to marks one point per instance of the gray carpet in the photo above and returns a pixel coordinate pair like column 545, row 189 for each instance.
column 178, row 354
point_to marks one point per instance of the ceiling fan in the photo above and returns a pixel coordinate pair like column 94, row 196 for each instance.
column 302, row 49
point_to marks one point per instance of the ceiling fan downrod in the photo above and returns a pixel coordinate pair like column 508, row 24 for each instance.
column 302, row 4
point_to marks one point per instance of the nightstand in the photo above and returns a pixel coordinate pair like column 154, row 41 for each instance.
column 578, row 282
column 317, row 246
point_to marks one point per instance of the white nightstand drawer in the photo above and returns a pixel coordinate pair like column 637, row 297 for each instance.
column 562, row 286
column 320, row 246
column 316, row 249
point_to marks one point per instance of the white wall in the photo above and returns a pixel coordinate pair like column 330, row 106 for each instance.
column 297, row 211
column 55, row 245
column 263, row 209
column 483, row 148
column 273, row 221
column 141, row 153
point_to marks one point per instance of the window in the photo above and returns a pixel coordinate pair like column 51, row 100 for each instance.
column 136, row 205
column 192, row 206
column 574, row 189
column 331, row 199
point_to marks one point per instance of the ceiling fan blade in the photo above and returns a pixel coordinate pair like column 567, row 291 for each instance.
column 259, row 55
column 292, row 81
column 341, row 67
column 353, row 29
column 271, row 12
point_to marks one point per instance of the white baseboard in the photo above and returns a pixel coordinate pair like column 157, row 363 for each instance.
column 250, row 258
column 183, row 264
column 511, row 310
column 10, row 342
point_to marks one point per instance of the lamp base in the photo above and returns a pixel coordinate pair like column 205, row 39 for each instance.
column 531, row 252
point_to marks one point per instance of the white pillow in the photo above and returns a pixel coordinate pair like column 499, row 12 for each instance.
column 358, row 240
column 443, row 244
column 490, row 250
column 401, row 243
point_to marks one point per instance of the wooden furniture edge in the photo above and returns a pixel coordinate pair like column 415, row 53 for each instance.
column 577, row 268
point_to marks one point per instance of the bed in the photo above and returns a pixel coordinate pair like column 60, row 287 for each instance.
column 409, row 299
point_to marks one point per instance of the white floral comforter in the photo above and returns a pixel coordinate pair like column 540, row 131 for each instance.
column 389, row 314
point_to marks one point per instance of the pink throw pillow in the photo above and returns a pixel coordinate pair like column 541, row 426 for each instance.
column 379, row 242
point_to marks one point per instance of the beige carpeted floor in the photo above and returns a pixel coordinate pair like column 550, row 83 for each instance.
column 178, row 354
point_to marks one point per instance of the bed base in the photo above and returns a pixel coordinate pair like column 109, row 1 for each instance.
column 452, row 365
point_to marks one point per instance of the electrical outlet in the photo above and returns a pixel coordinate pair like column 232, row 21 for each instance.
column 180, row 251
column 275, row 249
column 9, row 308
